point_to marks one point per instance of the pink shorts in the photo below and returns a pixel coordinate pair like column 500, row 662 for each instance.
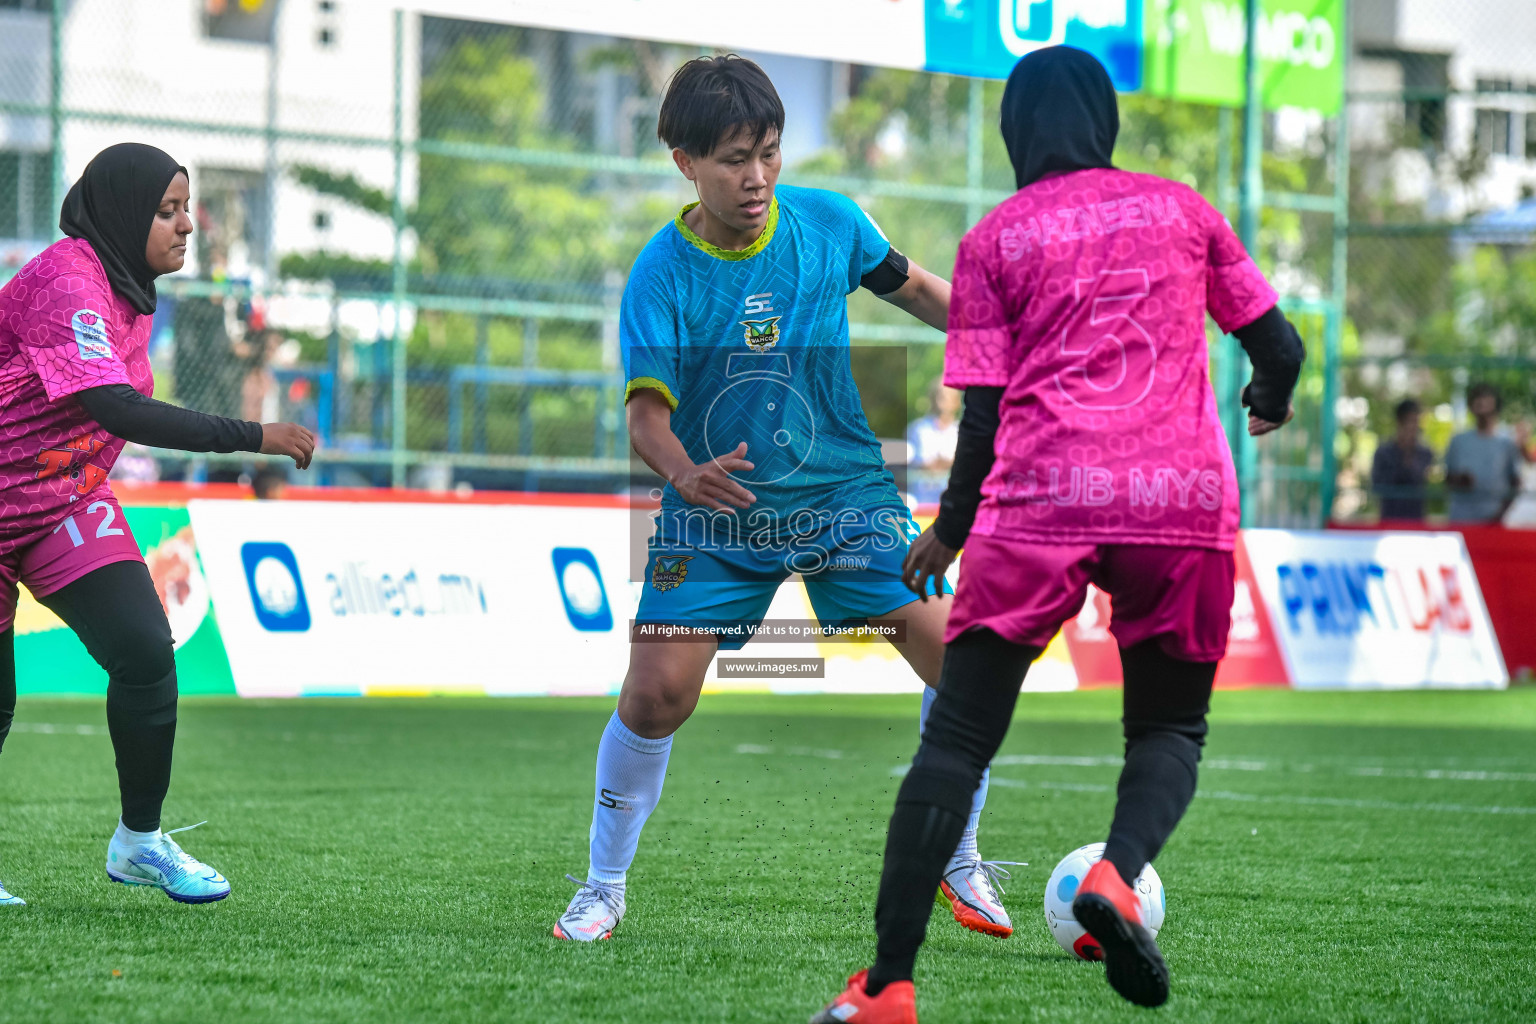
column 51, row 556
column 1025, row 591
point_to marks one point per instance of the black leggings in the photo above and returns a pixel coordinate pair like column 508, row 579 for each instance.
column 116, row 613
column 1165, row 705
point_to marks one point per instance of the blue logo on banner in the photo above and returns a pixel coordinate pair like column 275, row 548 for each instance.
column 581, row 588
column 987, row 37
column 277, row 593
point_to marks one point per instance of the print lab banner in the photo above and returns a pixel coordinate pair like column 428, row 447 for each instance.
column 318, row 598
column 1184, row 49
column 1376, row 610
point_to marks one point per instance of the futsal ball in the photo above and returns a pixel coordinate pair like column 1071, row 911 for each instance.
column 1062, row 889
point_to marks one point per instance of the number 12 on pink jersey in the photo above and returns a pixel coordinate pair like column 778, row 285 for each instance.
column 103, row 530
column 1125, row 377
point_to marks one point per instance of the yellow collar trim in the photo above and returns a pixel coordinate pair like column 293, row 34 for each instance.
column 757, row 246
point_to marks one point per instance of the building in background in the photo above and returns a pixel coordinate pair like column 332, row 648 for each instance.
column 1471, row 150
column 320, row 67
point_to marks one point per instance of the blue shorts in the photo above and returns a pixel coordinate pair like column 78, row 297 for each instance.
column 851, row 572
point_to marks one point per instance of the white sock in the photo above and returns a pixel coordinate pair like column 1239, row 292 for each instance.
column 966, row 851
column 630, row 773
column 967, row 848
column 128, row 837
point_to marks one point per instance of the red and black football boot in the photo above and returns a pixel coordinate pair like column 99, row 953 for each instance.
column 896, row 1004
column 1111, row 911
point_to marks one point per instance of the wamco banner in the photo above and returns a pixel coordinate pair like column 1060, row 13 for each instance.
column 1184, row 49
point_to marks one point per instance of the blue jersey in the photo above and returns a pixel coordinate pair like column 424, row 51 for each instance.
column 752, row 345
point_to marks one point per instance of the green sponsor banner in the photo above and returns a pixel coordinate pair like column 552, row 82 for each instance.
column 1194, row 51
column 50, row 658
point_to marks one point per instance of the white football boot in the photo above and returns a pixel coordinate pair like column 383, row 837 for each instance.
column 7, row 900
column 972, row 887
column 594, row 913
column 166, row 866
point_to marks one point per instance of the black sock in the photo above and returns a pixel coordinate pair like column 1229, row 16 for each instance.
column 7, row 682
column 116, row 613
column 143, row 768
column 930, row 814
column 1166, row 701
column 978, row 688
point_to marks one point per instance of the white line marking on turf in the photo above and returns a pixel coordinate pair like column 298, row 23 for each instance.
column 1233, row 765
column 53, row 729
column 1283, row 798
column 1053, row 759
column 1068, row 787
column 822, row 752
column 1372, row 805
column 1442, row 773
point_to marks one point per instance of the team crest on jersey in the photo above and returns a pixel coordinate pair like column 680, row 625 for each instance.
column 90, row 335
column 70, row 460
column 761, row 335
column 670, row 572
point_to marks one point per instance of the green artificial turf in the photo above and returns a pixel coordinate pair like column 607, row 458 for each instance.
column 1351, row 857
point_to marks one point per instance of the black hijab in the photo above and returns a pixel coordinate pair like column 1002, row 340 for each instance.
column 1059, row 114
column 112, row 206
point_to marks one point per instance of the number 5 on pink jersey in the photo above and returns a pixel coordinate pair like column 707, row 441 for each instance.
column 1115, row 360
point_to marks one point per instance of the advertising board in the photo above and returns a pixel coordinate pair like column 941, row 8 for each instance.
column 1183, row 49
column 1376, row 610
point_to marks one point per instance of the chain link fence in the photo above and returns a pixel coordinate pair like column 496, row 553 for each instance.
column 413, row 231
column 1442, row 275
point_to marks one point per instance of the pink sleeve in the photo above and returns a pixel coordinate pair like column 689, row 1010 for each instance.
column 66, row 336
column 1236, row 292
column 979, row 348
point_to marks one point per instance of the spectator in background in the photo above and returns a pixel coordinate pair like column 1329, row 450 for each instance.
column 1482, row 466
column 207, row 365
column 270, row 483
column 259, row 391
column 1401, row 467
column 135, row 465
column 931, row 440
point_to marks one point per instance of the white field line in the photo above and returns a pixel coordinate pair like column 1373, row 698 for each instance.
column 1282, row 798
column 821, row 752
column 1227, row 764
column 1444, row 773
column 1370, row 805
column 52, row 729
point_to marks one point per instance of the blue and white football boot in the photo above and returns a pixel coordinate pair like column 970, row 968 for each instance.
column 160, row 862
column 594, row 913
column 7, row 900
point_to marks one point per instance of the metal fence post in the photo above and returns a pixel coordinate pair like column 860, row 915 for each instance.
column 1333, row 339
column 1250, row 201
column 482, row 389
column 525, row 393
column 269, row 229
column 56, row 104
column 975, row 142
column 1229, row 382
column 398, row 407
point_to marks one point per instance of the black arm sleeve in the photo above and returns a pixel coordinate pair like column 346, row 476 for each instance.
column 1276, row 351
column 974, row 455
column 888, row 275
column 125, row 413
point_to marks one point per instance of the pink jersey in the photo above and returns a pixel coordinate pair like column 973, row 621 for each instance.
column 62, row 330
column 1084, row 297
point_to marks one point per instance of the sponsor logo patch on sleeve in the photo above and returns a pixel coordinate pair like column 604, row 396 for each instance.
column 91, row 335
